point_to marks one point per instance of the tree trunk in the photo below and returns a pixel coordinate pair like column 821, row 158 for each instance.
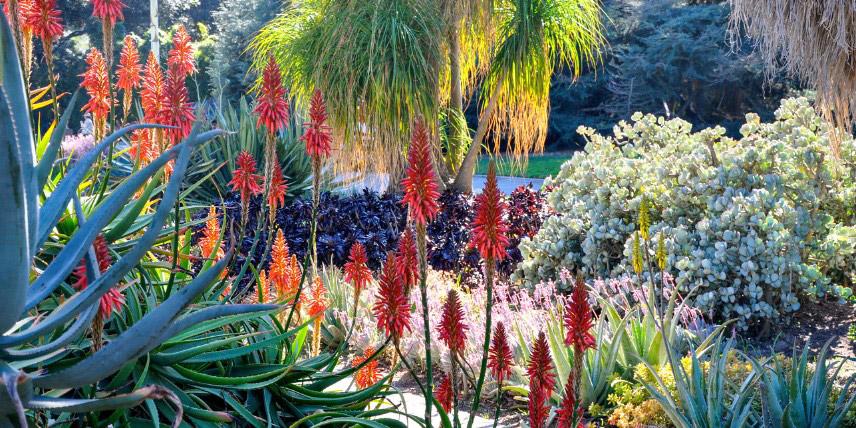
column 464, row 180
column 456, row 101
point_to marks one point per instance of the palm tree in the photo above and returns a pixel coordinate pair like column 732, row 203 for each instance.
column 812, row 40
column 381, row 63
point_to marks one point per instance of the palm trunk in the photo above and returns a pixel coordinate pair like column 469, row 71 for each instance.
column 456, row 101
column 464, row 180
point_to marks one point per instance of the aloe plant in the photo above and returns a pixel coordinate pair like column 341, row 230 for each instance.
column 34, row 337
column 800, row 397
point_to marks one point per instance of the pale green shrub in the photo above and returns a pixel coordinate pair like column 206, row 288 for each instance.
column 757, row 224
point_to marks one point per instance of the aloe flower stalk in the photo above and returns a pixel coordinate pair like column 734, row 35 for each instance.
column 316, row 304
column 317, row 137
column 408, row 260
column 542, row 380
column 490, row 238
column 110, row 301
column 500, row 360
column 261, row 287
column 392, row 308
column 153, row 100
column 128, row 74
column 177, row 111
column 368, row 374
column 42, row 19
column 108, row 12
column 276, row 195
column 453, row 331
column 578, row 322
column 272, row 109
column 24, row 8
column 97, row 84
column 421, row 193
column 357, row 272
column 183, row 54
column 246, row 181
column 209, row 243
column 445, row 394
column 568, row 414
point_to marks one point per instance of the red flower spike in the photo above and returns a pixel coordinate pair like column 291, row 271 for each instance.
column 317, row 134
column 276, row 197
column 453, row 329
column 443, row 394
column 245, row 180
column 108, row 10
column 540, row 368
column 43, row 19
column 568, row 415
column 500, row 358
column 356, row 269
column 367, row 375
column 97, row 84
column 420, row 186
column 113, row 299
column 578, row 320
column 142, row 145
column 490, row 232
column 272, row 106
column 392, row 308
column 177, row 111
column 153, row 98
column 538, row 408
column 408, row 261
column 128, row 71
column 182, row 54
column 317, row 301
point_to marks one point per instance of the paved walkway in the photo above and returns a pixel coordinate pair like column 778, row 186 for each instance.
column 379, row 182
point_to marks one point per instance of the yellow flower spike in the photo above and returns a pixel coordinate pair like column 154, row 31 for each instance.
column 261, row 287
column 644, row 218
column 661, row 251
column 637, row 254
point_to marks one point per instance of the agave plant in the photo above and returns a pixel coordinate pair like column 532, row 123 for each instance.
column 38, row 331
column 799, row 397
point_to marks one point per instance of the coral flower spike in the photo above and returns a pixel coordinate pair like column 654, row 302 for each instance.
column 97, row 84
column 568, row 414
column 272, row 107
column 500, row 358
column 408, row 261
column 578, row 319
column 356, row 269
column 317, row 304
column 317, row 134
column 128, row 73
column 420, row 186
column 392, row 309
column 43, row 18
column 177, row 111
column 453, row 329
column 490, row 232
column 113, row 299
column 540, row 367
column 245, row 180
column 444, row 394
column 108, row 10
column 276, row 196
column 182, row 54
column 368, row 374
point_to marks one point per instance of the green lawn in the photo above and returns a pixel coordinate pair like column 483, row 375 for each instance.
column 537, row 167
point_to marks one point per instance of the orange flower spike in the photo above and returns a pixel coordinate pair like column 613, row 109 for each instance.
column 177, row 111
column 408, row 261
column 128, row 72
column 453, row 329
column 317, row 134
column 183, row 54
column 500, row 358
column 490, row 232
column 276, row 198
column 42, row 18
column 317, row 300
column 392, row 309
column 357, row 271
column 261, row 287
column 420, row 185
column 368, row 374
column 272, row 106
column 152, row 95
column 97, row 84
column 280, row 265
column 210, row 236
column 108, row 10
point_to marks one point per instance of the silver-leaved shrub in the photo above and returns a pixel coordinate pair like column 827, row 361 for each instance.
column 756, row 225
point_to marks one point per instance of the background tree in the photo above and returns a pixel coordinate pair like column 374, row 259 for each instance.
column 382, row 63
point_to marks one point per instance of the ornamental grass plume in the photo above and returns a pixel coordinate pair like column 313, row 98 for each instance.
column 445, row 394
column 246, row 181
column 97, row 84
column 177, row 111
column 110, row 301
column 357, row 271
column 316, row 304
column 128, row 74
column 392, row 309
column 568, row 415
column 368, row 374
column 182, row 56
column 490, row 238
column 272, row 109
column 407, row 260
column 542, row 380
column 42, row 19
